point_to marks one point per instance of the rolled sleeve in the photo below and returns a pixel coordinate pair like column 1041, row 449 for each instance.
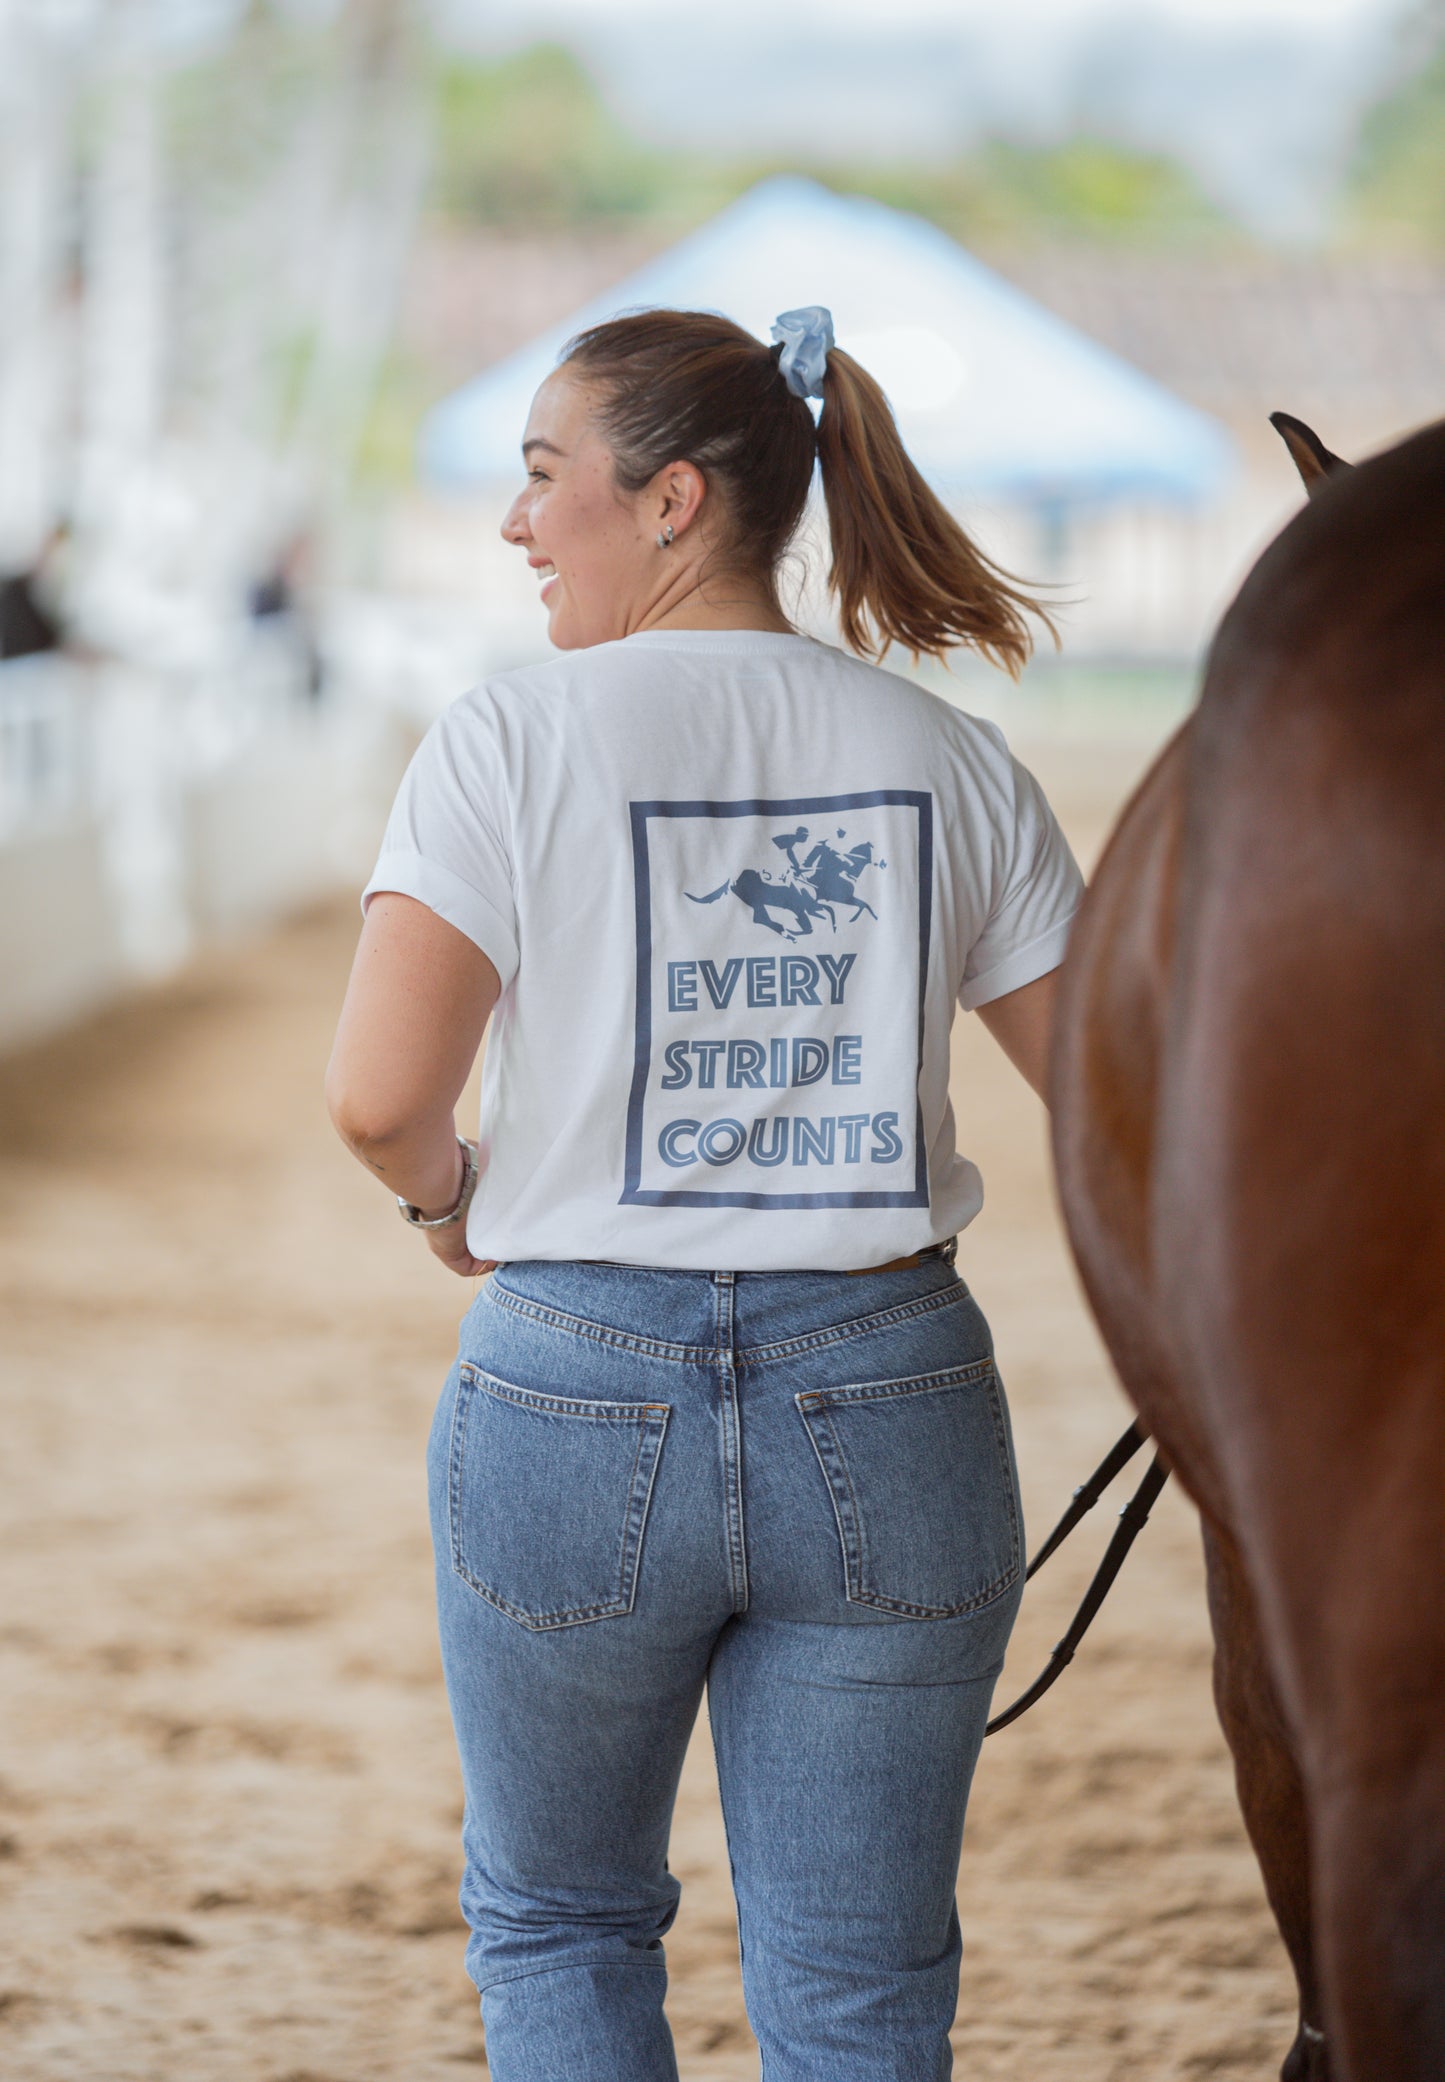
column 1037, row 891
column 447, row 838
column 411, row 874
column 1024, row 965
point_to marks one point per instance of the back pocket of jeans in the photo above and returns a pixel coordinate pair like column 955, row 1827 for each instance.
column 922, row 1488
column 548, row 1499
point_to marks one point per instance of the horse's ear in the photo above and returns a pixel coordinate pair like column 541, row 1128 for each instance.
column 1312, row 459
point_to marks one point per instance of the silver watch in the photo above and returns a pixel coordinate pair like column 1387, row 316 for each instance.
column 418, row 1220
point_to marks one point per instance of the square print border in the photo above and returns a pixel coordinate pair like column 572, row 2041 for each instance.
column 632, row 1193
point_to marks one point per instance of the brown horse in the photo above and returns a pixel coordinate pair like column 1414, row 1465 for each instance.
column 1249, row 1130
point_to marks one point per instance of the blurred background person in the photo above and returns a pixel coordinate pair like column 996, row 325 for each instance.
column 32, row 605
column 283, row 599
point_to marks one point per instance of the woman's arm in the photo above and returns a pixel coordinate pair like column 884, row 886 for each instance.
column 419, row 998
column 1021, row 1022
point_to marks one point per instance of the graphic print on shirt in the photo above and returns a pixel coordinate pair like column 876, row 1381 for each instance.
column 807, row 890
column 782, row 957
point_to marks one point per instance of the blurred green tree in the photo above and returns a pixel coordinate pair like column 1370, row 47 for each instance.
column 1086, row 187
column 527, row 143
column 1397, row 184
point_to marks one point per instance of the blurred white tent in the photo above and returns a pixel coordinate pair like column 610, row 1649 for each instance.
column 995, row 396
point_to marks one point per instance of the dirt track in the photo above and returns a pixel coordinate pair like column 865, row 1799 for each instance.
column 228, row 1808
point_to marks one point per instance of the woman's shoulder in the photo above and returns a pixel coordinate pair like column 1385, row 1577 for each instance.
column 977, row 739
column 539, row 685
column 500, row 702
column 545, row 689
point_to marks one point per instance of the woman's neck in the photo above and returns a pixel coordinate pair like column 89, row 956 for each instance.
column 720, row 604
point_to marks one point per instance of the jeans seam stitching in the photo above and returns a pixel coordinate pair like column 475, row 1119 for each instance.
column 882, row 1603
column 454, row 1473
column 894, row 1389
column 601, row 1333
column 844, row 1543
column 638, row 1505
column 725, row 1317
column 1001, row 1438
column 856, row 1326
column 858, row 1559
column 570, row 1406
column 543, row 1622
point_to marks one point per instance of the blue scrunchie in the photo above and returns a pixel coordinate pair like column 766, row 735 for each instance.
column 806, row 336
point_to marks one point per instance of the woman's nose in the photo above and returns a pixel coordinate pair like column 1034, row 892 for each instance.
column 514, row 528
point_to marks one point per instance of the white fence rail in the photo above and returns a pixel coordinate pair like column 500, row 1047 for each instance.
column 45, row 765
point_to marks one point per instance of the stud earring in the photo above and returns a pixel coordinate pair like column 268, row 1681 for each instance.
column 664, row 540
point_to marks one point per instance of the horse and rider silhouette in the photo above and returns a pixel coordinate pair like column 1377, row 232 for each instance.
column 816, row 887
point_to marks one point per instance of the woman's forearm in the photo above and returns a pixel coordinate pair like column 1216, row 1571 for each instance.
column 421, row 1161
column 1022, row 1023
column 419, row 998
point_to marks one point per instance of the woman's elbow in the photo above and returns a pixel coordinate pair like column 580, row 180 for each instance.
column 367, row 1120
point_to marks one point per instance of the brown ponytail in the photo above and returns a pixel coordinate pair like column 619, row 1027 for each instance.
column 904, row 571
column 675, row 386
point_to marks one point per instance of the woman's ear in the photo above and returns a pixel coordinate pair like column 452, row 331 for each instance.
column 680, row 489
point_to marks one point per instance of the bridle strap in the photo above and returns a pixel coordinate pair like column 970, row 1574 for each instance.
column 1088, row 1493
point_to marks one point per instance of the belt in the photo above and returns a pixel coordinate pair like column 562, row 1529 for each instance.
column 947, row 1250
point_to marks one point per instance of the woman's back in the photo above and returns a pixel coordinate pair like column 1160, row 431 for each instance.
column 719, row 889
column 734, row 884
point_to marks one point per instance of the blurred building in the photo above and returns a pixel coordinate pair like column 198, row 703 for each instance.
column 1052, row 446
column 1048, row 442
column 1351, row 343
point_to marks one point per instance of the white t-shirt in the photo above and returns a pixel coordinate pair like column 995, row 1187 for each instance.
column 735, row 885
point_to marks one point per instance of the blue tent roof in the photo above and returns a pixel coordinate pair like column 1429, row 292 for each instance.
column 993, row 394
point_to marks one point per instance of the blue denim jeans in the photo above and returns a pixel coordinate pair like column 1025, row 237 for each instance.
column 793, row 1490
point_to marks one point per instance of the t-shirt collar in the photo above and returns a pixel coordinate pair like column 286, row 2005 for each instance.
column 717, row 639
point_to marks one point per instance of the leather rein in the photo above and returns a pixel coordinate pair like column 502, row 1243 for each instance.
column 1132, row 1520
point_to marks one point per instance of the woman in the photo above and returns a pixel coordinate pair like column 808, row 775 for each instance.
column 725, row 1417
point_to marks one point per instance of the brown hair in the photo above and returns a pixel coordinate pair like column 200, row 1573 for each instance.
column 692, row 386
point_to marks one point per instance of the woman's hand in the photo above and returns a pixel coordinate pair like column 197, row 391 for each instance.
column 449, row 1241
column 450, row 1245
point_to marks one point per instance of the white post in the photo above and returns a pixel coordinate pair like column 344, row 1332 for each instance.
column 34, row 147
column 123, row 324
column 378, row 145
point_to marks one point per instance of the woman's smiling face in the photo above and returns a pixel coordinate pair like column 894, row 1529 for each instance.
column 592, row 544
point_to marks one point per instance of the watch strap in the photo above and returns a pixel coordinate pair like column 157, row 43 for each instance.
column 470, row 1173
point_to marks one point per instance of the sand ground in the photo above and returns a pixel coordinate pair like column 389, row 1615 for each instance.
column 228, row 1799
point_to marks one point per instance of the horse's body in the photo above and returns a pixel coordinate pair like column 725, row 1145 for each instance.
column 1249, row 1110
